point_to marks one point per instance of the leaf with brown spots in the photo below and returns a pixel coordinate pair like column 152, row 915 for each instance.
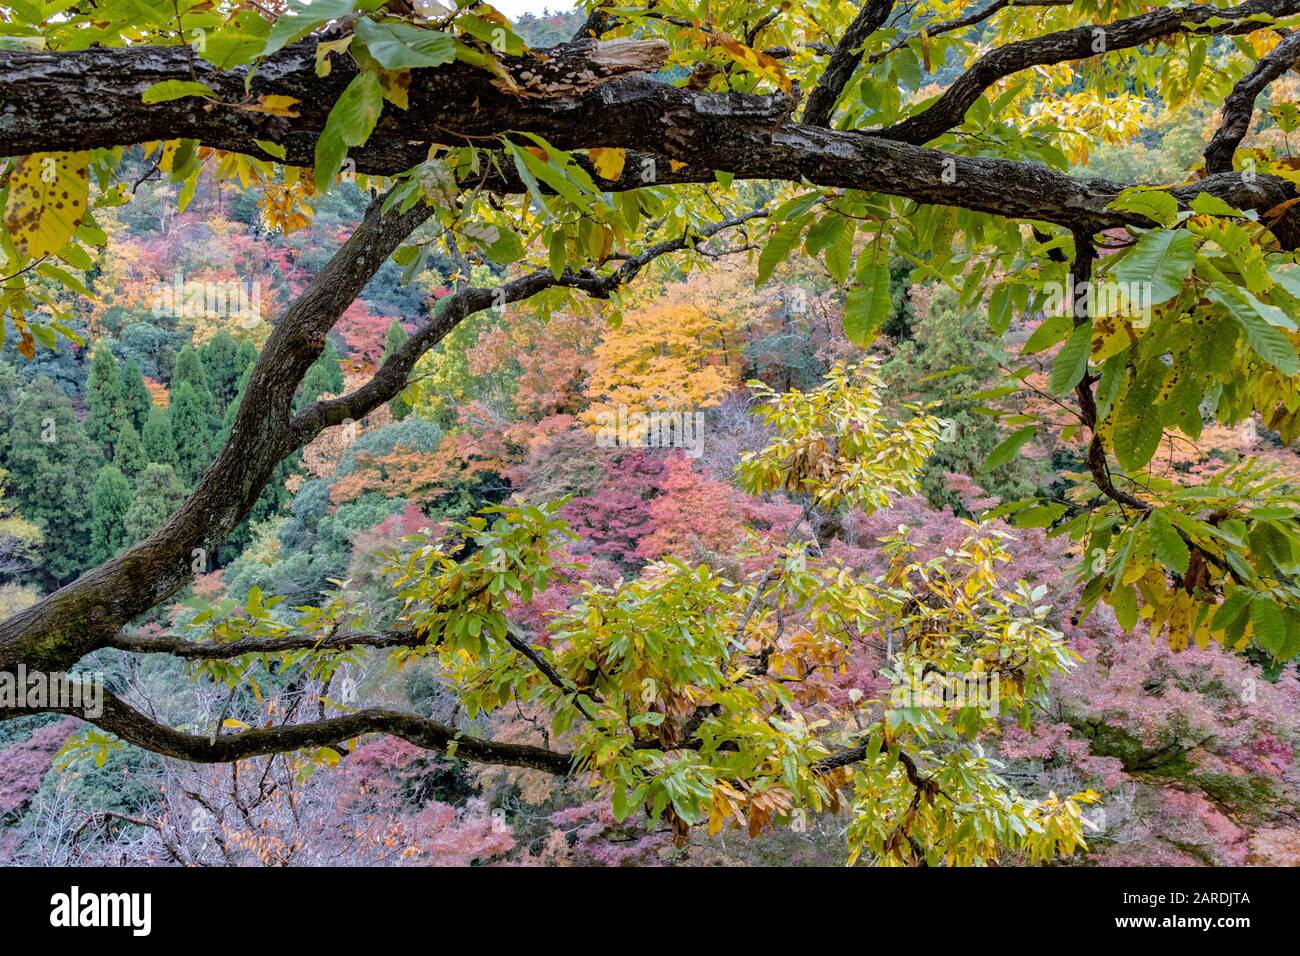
column 47, row 201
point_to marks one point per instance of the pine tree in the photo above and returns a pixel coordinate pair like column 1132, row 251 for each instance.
column 190, row 368
column 191, row 430
column 129, row 455
column 52, row 466
column 135, row 394
column 111, row 500
column 397, row 335
column 157, row 496
column 104, row 400
column 246, row 356
column 159, row 445
column 220, row 357
column 324, row 377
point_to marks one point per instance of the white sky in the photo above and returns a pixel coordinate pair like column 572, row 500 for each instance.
column 512, row 8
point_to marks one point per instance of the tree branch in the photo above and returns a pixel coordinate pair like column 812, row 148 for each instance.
column 1079, row 43
column 1239, row 107
column 844, row 61
column 130, row 725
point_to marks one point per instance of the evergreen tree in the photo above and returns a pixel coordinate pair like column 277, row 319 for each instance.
column 246, row 356
column 104, row 400
column 220, row 358
column 135, row 394
column 52, row 466
column 397, row 335
column 111, row 500
column 190, row 368
column 157, row 496
column 129, row 455
column 159, row 445
column 324, row 376
column 192, row 432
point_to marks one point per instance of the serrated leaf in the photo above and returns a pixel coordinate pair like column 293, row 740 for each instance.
column 1007, row 448
column 169, row 90
column 1264, row 339
column 868, row 304
column 400, row 46
column 1072, row 361
column 1169, row 545
column 1162, row 257
column 46, row 202
column 350, row 122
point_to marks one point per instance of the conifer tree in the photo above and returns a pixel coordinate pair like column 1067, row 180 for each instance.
column 129, row 455
column 220, row 358
column 158, row 494
column 159, row 445
column 104, row 400
column 135, row 394
column 52, row 466
column 191, row 431
column 110, row 501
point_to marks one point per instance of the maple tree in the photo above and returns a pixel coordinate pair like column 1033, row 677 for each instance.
column 565, row 174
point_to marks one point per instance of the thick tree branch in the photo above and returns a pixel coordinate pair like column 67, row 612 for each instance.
column 1079, row 43
column 130, row 725
column 1239, row 107
column 844, row 61
column 213, row 650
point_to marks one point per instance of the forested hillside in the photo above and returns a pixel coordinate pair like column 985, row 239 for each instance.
column 664, row 567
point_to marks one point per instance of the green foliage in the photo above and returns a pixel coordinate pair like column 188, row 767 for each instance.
column 135, row 395
column 192, row 431
column 110, row 501
column 397, row 335
column 106, row 405
column 159, row 445
column 157, row 496
column 52, row 466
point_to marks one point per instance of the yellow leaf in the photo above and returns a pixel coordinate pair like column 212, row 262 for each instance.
column 232, row 722
column 608, row 162
column 274, row 105
column 47, row 201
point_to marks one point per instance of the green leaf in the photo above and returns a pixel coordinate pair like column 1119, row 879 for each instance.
column 1269, row 624
column 1072, row 361
column 1007, row 449
column 1265, row 340
column 778, row 249
column 169, row 90
column 1138, row 426
column 274, row 149
column 1169, row 545
column 301, row 18
column 1230, row 610
column 350, row 123
column 1050, row 331
column 400, row 46
column 868, row 303
column 1155, row 204
column 1161, row 257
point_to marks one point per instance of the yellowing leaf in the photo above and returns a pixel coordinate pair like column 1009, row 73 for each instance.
column 47, row 200
column 608, row 162
column 274, row 105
